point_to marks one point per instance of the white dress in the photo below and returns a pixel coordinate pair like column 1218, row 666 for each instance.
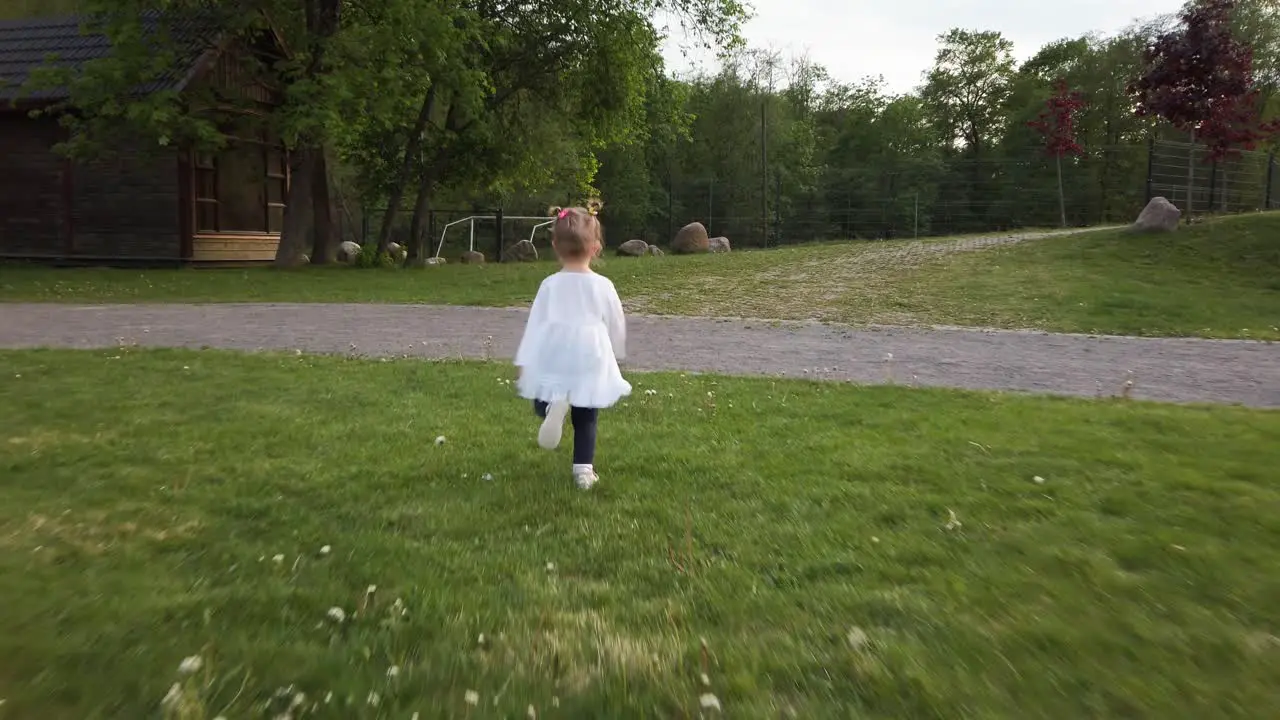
column 575, row 335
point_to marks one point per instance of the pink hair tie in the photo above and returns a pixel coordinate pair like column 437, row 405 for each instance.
column 563, row 214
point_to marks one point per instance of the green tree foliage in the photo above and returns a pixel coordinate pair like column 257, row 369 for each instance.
column 412, row 106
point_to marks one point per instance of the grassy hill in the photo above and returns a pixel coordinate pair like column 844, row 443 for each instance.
column 1219, row 279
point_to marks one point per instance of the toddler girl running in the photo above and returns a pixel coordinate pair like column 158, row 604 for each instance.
column 568, row 357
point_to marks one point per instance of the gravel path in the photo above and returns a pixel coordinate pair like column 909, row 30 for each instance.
column 1162, row 369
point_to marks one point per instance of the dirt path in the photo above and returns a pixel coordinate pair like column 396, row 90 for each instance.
column 1167, row 370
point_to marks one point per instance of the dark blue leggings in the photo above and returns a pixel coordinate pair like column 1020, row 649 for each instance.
column 584, row 431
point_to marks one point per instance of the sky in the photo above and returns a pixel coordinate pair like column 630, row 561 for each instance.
column 897, row 39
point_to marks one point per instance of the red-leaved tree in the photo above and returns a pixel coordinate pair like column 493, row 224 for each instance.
column 1057, row 124
column 1199, row 78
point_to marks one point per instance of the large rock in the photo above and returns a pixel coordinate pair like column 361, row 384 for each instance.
column 656, row 251
column 691, row 239
column 523, row 251
column 397, row 252
column 719, row 245
column 473, row 257
column 1159, row 215
column 633, row 248
column 348, row 252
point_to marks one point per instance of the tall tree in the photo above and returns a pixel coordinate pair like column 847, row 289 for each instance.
column 968, row 86
column 1056, row 124
column 1199, row 77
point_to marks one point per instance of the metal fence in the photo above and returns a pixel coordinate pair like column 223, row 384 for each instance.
column 1108, row 184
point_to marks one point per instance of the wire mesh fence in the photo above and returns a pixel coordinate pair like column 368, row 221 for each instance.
column 907, row 198
column 1243, row 183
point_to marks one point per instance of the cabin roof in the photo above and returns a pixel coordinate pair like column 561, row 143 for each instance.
column 66, row 41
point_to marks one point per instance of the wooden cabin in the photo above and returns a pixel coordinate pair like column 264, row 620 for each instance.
column 155, row 207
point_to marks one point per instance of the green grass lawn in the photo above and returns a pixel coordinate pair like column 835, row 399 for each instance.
column 1219, row 279
column 156, row 505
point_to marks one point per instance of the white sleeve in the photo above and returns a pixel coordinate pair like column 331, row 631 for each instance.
column 616, row 321
column 538, row 315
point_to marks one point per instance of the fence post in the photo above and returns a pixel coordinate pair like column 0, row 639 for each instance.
column 1213, row 184
column 777, row 209
column 1151, row 153
column 1271, row 171
column 431, row 234
column 497, row 253
column 711, row 197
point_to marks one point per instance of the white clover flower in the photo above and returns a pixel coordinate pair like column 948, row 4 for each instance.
column 371, row 590
column 488, row 477
column 709, row 702
column 393, row 672
column 374, row 699
column 472, row 697
column 325, row 550
column 440, row 440
column 337, row 615
column 278, row 558
column 190, row 665
column 1037, row 480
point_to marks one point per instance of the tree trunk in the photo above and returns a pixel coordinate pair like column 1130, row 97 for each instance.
column 412, row 149
column 1062, row 197
column 324, row 243
column 419, row 244
column 297, row 211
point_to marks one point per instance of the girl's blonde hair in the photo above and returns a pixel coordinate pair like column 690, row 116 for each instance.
column 577, row 234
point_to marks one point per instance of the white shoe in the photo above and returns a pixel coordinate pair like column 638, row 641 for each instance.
column 553, row 426
column 585, row 479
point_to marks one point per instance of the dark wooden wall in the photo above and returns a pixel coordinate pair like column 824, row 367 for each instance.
column 125, row 207
column 32, row 207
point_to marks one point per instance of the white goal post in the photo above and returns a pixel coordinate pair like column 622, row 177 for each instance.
column 471, row 222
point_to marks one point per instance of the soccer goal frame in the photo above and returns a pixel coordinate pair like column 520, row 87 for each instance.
column 471, row 222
